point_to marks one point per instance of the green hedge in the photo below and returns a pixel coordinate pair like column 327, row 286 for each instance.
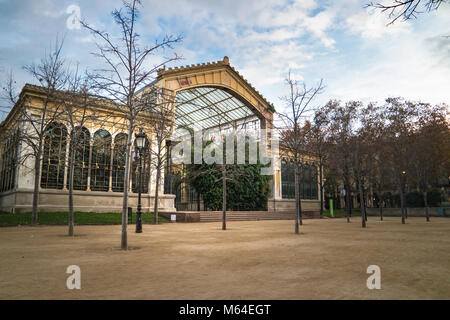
column 80, row 218
column 415, row 199
column 248, row 189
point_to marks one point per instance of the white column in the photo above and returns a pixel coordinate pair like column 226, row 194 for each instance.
column 130, row 170
column 66, row 163
column 91, row 144
column 111, row 162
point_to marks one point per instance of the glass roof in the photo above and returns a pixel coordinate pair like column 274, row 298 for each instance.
column 207, row 107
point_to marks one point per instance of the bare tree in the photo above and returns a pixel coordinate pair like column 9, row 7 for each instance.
column 406, row 8
column 429, row 151
column 363, row 142
column 79, row 108
column 399, row 115
column 342, row 118
column 52, row 73
column 318, row 144
column 128, row 68
column 9, row 93
column 298, row 103
column 159, row 101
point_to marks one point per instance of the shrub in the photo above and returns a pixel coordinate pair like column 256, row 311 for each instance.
column 414, row 199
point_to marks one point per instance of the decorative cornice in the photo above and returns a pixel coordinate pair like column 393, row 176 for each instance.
column 163, row 72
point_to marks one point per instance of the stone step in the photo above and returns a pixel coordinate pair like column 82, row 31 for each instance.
column 250, row 216
column 215, row 216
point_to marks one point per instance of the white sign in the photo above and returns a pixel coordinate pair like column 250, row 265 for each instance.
column 374, row 281
column 74, row 280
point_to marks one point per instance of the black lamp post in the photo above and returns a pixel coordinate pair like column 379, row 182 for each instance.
column 169, row 160
column 140, row 145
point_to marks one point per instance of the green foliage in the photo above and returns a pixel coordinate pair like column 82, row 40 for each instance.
column 331, row 183
column 247, row 189
column 81, row 218
column 415, row 199
column 434, row 198
column 341, row 213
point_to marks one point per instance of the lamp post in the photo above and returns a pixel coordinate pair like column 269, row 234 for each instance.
column 140, row 145
column 169, row 160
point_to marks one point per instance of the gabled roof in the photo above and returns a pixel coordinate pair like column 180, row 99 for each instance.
column 225, row 63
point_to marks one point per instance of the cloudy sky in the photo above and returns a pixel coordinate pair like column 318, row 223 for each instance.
column 350, row 47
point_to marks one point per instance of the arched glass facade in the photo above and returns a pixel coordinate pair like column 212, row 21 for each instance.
column 118, row 169
column 92, row 159
column 81, row 161
column 9, row 163
column 146, row 157
column 101, row 161
column 54, row 156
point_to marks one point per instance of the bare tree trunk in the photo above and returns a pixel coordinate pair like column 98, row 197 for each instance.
column 321, row 191
column 124, row 239
column 365, row 203
column 381, row 208
column 37, row 176
column 402, row 204
column 363, row 206
column 297, row 200
column 349, row 206
column 425, row 200
column 224, row 197
column 71, row 165
column 155, row 207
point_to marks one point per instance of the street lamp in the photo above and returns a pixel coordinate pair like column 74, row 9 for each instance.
column 140, row 145
column 169, row 160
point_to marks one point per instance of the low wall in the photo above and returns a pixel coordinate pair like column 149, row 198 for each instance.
column 288, row 205
column 412, row 212
column 85, row 201
column 183, row 216
column 7, row 201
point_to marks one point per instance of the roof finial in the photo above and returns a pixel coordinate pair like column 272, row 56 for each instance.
column 226, row 60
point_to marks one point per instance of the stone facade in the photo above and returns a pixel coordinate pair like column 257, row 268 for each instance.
column 219, row 74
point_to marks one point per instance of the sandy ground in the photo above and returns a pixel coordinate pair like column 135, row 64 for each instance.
column 251, row 260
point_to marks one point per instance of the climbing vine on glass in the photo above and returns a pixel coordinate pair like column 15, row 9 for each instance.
column 247, row 189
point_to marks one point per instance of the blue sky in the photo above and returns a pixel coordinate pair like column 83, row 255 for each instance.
column 350, row 47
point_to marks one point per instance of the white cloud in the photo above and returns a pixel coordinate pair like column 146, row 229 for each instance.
column 350, row 47
column 372, row 24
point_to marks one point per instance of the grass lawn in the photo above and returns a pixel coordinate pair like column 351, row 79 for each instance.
column 342, row 213
column 81, row 218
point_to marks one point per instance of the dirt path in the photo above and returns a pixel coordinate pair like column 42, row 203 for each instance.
column 251, row 260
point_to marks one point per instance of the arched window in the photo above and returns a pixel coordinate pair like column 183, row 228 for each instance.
column 309, row 187
column 146, row 156
column 308, row 181
column 287, row 180
column 54, row 156
column 81, row 161
column 118, row 170
column 101, row 160
column 9, row 162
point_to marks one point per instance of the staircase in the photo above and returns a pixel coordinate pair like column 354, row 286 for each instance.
column 213, row 216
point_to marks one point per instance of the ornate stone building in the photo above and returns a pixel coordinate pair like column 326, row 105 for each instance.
column 202, row 95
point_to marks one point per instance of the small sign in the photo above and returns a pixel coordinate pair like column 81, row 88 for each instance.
column 331, row 208
column 173, row 217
